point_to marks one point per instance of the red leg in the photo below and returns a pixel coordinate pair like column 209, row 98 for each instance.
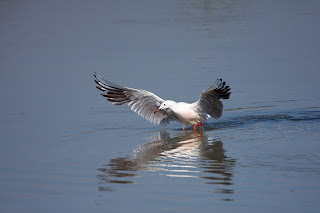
column 195, row 126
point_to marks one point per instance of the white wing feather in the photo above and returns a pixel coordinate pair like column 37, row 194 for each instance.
column 142, row 102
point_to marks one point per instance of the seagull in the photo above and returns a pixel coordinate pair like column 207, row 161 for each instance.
column 160, row 111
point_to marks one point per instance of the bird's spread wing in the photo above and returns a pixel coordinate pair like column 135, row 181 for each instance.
column 209, row 101
column 142, row 102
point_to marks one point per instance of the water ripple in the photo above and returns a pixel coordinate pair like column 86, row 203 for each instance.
column 196, row 155
column 250, row 119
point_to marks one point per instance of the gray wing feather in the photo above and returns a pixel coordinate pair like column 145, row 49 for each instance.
column 209, row 101
column 171, row 117
column 142, row 102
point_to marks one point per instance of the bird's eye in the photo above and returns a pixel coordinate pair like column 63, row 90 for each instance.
column 163, row 104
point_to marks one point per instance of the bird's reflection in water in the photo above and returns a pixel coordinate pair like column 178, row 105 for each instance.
column 186, row 155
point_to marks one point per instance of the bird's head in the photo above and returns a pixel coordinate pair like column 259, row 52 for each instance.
column 165, row 105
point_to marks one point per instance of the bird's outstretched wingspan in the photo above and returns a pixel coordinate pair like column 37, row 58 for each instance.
column 209, row 102
column 143, row 102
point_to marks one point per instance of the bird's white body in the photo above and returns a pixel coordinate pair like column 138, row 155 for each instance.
column 185, row 112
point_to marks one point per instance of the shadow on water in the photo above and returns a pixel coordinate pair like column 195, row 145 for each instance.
column 185, row 155
column 191, row 155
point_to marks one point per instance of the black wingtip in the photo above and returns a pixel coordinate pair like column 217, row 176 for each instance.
column 97, row 82
column 101, row 88
column 222, row 89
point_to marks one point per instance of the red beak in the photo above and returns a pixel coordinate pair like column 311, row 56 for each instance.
column 157, row 110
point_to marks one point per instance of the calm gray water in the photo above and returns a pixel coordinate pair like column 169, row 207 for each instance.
column 63, row 148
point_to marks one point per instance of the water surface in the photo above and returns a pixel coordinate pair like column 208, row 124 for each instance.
column 64, row 148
